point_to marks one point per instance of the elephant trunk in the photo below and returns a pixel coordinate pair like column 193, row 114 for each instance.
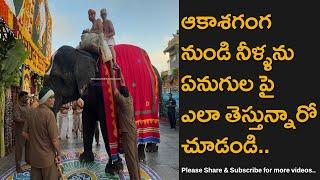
column 57, row 103
column 58, row 98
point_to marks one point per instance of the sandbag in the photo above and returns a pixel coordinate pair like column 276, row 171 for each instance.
column 92, row 41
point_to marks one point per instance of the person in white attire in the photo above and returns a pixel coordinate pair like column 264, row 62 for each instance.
column 77, row 111
column 63, row 117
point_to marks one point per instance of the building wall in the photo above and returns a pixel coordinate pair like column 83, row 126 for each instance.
column 173, row 62
column 174, row 58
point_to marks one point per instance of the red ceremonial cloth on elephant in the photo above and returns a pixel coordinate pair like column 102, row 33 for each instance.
column 110, row 110
column 142, row 83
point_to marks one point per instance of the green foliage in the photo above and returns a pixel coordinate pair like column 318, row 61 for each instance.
column 39, row 83
column 12, row 56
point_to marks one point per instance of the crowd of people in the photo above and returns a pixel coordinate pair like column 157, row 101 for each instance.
column 69, row 120
column 24, row 111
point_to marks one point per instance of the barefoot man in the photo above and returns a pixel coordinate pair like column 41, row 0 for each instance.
column 93, row 39
column 108, row 31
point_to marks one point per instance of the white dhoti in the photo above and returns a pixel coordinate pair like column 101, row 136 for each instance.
column 80, row 117
column 63, row 125
column 76, row 123
column 110, row 41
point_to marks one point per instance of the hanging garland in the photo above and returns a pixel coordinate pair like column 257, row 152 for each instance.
column 12, row 56
column 39, row 83
column 8, row 123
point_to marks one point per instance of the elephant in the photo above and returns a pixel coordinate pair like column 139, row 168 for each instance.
column 69, row 76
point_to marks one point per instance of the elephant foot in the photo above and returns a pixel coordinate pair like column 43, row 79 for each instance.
column 115, row 167
column 119, row 165
column 141, row 152
column 86, row 157
column 152, row 147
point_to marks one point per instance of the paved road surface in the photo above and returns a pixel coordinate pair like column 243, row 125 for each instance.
column 165, row 162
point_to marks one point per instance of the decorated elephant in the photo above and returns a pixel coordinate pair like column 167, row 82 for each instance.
column 70, row 77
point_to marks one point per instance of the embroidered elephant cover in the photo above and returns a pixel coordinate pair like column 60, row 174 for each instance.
column 142, row 83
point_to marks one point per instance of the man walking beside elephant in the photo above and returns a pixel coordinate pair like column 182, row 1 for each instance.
column 42, row 132
column 20, row 117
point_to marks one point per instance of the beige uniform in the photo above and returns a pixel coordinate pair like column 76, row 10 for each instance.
column 20, row 117
column 129, row 134
column 42, row 130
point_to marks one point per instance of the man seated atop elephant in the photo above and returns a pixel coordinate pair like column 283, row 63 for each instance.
column 108, row 32
column 93, row 39
column 96, row 23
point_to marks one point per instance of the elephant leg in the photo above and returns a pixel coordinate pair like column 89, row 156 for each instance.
column 96, row 134
column 114, row 167
column 151, row 147
column 104, row 132
column 141, row 152
column 89, row 122
column 117, row 166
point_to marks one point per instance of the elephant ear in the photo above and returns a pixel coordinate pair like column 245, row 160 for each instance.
column 85, row 69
